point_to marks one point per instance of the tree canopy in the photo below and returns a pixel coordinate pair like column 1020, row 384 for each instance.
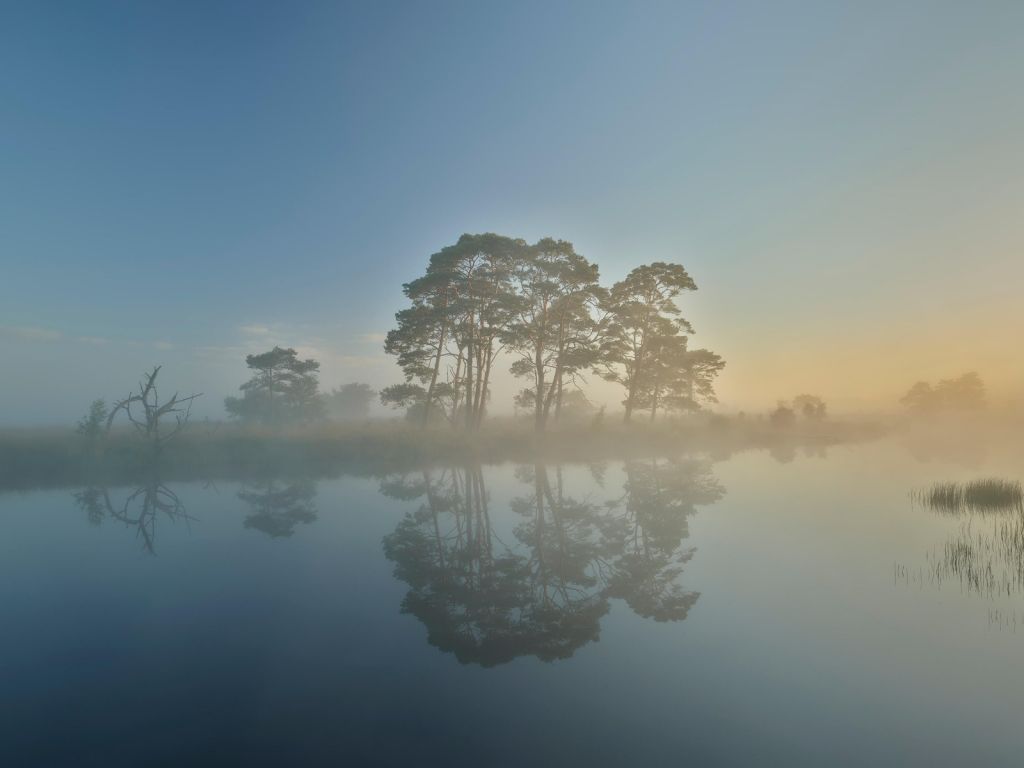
column 282, row 389
column 542, row 305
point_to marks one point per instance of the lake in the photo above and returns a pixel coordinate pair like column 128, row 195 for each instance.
column 790, row 609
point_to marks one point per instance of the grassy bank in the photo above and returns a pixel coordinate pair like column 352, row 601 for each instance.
column 36, row 458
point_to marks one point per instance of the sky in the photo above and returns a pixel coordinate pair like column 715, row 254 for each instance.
column 186, row 183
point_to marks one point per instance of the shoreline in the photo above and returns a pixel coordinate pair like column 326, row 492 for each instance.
column 57, row 458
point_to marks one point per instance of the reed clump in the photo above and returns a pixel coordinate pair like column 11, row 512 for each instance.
column 983, row 496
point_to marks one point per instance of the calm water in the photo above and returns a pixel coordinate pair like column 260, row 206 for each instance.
column 791, row 610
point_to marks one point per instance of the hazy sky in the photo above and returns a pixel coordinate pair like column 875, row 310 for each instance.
column 186, row 182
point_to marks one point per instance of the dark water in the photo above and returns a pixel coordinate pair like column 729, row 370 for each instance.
column 788, row 610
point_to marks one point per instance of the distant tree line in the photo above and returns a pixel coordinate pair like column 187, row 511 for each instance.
column 543, row 305
column 964, row 393
column 810, row 407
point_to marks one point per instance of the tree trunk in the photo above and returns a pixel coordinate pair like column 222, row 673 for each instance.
column 539, row 389
column 433, row 376
column 469, row 375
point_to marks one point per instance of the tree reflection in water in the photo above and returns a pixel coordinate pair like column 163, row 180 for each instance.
column 277, row 510
column 544, row 592
column 139, row 510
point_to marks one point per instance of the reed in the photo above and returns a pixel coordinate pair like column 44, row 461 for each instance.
column 984, row 496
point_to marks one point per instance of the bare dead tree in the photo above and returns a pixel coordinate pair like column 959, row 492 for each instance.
column 145, row 411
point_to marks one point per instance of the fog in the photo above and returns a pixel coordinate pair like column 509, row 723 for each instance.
column 502, row 384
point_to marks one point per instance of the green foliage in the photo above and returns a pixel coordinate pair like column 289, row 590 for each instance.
column 543, row 304
column 451, row 332
column 644, row 343
column 553, row 332
column 283, row 389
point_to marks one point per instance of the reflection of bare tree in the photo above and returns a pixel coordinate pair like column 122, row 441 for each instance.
column 139, row 510
column 543, row 592
column 278, row 510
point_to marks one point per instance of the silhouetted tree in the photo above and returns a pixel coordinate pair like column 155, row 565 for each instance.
column 283, row 388
column 91, row 426
column 459, row 314
column 147, row 413
column 644, row 316
column 552, row 332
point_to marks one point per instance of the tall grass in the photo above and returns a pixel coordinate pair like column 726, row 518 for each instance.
column 983, row 496
column 38, row 458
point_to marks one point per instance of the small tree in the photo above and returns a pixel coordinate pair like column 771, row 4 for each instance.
column 783, row 415
column 283, row 388
column 90, row 426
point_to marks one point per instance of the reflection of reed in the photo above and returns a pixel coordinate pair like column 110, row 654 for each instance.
column 985, row 560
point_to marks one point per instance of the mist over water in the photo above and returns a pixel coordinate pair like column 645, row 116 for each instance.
column 425, row 608
column 511, row 384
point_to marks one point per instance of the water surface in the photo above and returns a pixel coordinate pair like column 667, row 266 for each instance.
column 795, row 609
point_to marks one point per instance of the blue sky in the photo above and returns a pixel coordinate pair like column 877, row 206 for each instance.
column 186, row 182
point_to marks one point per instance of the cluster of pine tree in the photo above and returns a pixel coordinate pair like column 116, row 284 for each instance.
column 543, row 305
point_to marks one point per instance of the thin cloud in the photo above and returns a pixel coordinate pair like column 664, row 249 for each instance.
column 30, row 333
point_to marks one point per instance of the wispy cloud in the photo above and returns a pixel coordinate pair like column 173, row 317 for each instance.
column 337, row 357
column 30, row 333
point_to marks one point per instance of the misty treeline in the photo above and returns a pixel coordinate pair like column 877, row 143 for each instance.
column 285, row 389
column 543, row 306
column 810, row 407
column 964, row 393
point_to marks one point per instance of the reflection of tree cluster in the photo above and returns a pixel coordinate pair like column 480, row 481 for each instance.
column 543, row 594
